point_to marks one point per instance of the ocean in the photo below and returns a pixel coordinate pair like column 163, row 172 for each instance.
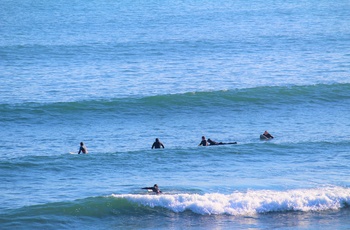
column 116, row 75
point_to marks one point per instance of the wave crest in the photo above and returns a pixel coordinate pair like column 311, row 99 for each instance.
column 248, row 203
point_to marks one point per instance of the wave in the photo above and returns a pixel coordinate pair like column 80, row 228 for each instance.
column 247, row 203
column 312, row 94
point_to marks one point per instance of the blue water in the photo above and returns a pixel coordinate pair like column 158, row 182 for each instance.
column 118, row 74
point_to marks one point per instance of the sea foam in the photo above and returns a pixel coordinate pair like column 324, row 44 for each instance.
column 249, row 202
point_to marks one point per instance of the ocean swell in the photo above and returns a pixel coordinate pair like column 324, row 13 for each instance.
column 312, row 94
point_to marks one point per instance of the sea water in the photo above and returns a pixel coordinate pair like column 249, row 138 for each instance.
column 118, row 74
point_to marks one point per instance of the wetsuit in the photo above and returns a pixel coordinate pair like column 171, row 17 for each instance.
column 83, row 150
column 204, row 143
column 220, row 143
column 157, row 145
column 214, row 142
column 154, row 189
column 268, row 136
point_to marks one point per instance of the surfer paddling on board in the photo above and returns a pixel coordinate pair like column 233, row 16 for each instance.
column 154, row 189
column 211, row 142
column 157, row 144
column 266, row 136
column 204, row 142
column 82, row 148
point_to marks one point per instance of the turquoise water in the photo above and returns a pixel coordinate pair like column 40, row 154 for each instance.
column 118, row 74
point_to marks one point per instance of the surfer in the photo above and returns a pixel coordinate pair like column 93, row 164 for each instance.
column 266, row 136
column 82, row 148
column 157, row 144
column 154, row 189
column 204, row 142
column 211, row 142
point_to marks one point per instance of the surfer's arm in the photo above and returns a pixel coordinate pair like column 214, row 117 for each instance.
column 147, row 188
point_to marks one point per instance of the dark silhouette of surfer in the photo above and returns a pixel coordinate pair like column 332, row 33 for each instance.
column 154, row 189
column 82, row 148
column 157, row 144
column 211, row 142
column 204, row 142
column 266, row 136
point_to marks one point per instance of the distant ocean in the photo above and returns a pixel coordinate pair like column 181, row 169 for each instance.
column 118, row 74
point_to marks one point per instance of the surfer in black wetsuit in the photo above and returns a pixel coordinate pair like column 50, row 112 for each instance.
column 157, row 144
column 266, row 135
column 82, row 148
column 203, row 142
column 214, row 142
column 211, row 142
column 154, row 189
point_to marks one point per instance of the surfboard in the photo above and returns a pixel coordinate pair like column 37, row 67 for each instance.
column 229, row 143
column 73, row 153
column 263, row 138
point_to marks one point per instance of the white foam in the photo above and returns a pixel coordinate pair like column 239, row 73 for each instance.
column 250, row 202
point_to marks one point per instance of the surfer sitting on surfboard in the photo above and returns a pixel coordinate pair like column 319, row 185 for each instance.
column 157, row 144
column 211, row 142
column 154, row 189
column 266, row 135
column 82, row 148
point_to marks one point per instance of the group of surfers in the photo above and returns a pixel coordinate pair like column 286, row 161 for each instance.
column 155, row 188
column 265, row 136
column 157, row 144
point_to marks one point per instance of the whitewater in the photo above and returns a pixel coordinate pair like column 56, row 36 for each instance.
column 249, row 203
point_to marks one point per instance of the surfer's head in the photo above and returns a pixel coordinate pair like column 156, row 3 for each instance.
column 81, row 143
